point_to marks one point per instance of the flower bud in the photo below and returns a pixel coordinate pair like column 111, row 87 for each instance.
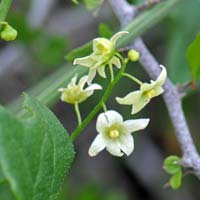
column 8, row 33
column 133, row 55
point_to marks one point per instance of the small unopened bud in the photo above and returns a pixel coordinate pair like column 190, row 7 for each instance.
column 133, row 55
column 8, row 33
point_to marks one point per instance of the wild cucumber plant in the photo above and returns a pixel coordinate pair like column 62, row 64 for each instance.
column 35, row 149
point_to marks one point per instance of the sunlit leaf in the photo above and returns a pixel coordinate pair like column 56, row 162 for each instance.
column 35, row 152
column 175, row 180
column 193, row 57
column 171, row 164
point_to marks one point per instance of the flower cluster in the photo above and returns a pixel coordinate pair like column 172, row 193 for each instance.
column 104, row 53
column 114, row 133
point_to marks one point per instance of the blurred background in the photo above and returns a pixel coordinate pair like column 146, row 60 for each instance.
column 47, row 31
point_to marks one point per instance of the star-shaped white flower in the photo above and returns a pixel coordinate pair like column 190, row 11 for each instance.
column 140, row 98
column 115, row 134
column 76, row 93
column 103, row 54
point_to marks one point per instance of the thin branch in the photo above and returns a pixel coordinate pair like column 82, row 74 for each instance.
column 190, row 159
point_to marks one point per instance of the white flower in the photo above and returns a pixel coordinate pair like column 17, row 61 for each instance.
column 75, row 93
column 140, row 98
column 115, row 134
column 103, row 54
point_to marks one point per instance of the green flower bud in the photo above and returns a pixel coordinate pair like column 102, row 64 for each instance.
column 8, row 33
column 133, row 55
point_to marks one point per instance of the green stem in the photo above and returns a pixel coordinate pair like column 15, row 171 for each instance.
column 119, row 55
column 78, row 114
column 4, row 7
column 104, row 107
column 111, row 72
column 96, row 109
column 133, row 78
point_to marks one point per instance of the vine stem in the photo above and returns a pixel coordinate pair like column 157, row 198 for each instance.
column 133, row 78
column 96, row 109
column 78, row 114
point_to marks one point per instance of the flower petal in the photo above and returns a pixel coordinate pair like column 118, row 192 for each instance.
column 137, row 107
column 162, row 77
column 136, row 99
column 102, row 123
column 130, row 98
column 114, row 149
column 97, row 145
column 85, row 61
column 91, row 75
column 148, row 86
column 72, row 83
column 116, row 61
column 113, row 117
column 158, row 90
column 115, row 37
column 136, row 124
column 101, row 45
column 108, row 118
column 61, row 89
column 82, row 82
column 127, row 144
column 94, row 86
column 101, row 71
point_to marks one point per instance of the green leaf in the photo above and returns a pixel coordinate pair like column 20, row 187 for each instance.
column 75, row 1
column 50, row 50
column 92, row 4
column 105, row 31
column 194, row 58
column 175, row 180
column 35, row 152
column 179, row 38
column 79, row 52
column 171, row 164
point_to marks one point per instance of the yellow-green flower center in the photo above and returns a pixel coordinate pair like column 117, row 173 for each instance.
column 150, row 93
column 113, row 133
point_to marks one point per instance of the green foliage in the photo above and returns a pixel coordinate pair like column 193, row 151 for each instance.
column 25, row 33
column 175, row 180
column 79, row 52
column 105, row 31
column 172, row 166
column 193, row 57
column 8, row 33
column 181, row 28
column 50, row 50
column 35, row 152
column 92, row 4
column 95, row 192
column 75, row 1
